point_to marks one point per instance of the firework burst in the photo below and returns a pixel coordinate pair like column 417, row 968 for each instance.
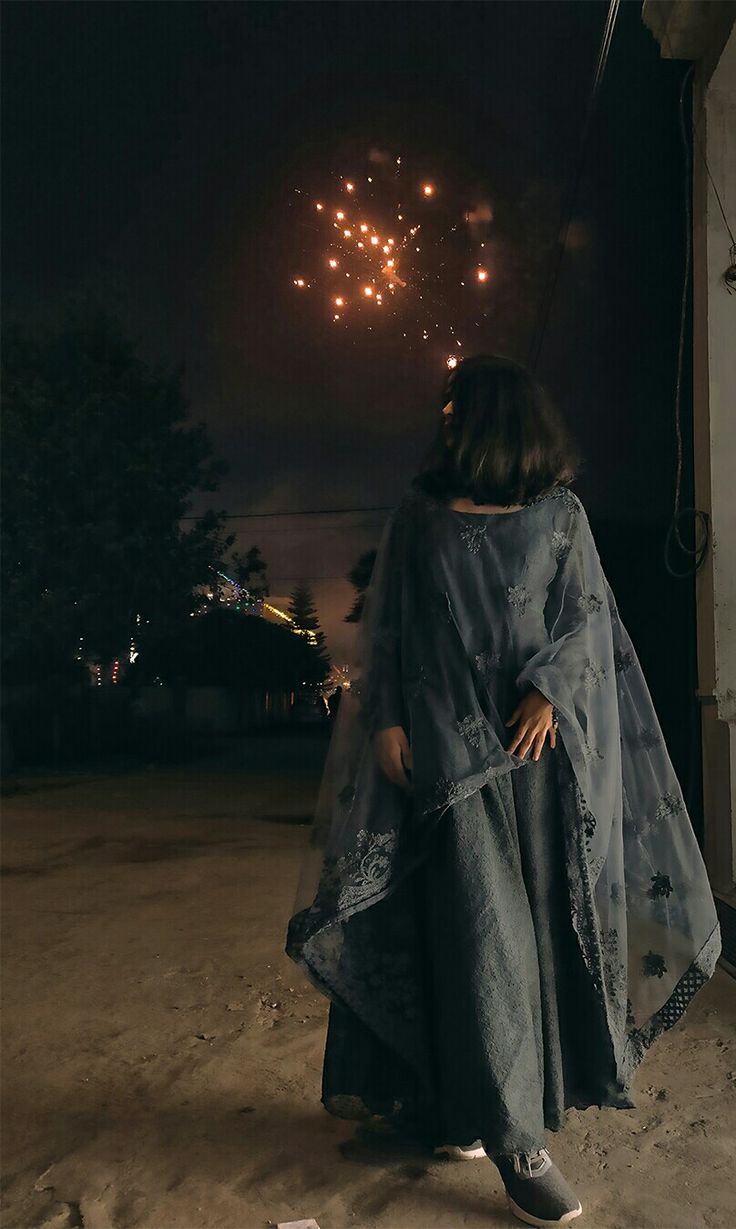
column 387, row 250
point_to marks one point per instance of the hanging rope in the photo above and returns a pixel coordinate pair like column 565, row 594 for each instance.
column 697, row 553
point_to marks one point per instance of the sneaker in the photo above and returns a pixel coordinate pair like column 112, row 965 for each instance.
column 536, row 1191
column 461, row 1152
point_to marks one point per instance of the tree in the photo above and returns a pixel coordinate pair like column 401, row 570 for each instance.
column 304, row 613
column 360, row 577
column 99, row 467
column 249, row 572
column 226, row 648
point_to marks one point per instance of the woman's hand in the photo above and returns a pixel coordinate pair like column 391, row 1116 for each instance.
column 392, row 750
column 535, row 717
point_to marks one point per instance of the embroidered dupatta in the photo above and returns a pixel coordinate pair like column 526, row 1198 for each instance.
column 463, row 614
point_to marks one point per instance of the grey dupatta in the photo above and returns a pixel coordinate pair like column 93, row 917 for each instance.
column 463, row 614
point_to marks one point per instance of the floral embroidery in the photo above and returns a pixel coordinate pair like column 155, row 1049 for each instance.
column 590, row 753
column 595, row 866
column 586, row 815
column 444, row 792
column 561, row 545
column 471, row 728
column 367, row 868
column 653, row 965
column 594, row 675
column 647, row 738
column 568, row 497
column 518, row 597
column 488, row 661
column 661, row 886
column 613, row 967
column 630, row 1017
column 472, row 536
column 590, row 603
column 668, row 805
column 622, row 660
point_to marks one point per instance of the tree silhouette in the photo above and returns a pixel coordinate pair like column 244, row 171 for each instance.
column 360, row 576
column 99, row 467
column 304, row 613
column 249, row 571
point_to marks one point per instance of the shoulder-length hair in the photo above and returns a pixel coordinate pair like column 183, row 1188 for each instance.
column 504, row 442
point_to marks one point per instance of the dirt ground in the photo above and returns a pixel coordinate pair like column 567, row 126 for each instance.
column 162, row 1055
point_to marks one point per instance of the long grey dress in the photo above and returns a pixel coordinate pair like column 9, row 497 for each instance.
column 508, row 938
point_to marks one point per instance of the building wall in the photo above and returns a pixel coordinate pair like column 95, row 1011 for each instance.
column 720, row 146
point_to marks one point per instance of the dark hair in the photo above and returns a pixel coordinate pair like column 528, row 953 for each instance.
column 504, row 442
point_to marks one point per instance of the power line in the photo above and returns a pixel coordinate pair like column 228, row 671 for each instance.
column 239, row 516
column 545, row 304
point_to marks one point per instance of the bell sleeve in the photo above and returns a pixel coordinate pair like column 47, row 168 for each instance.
column 578, row 657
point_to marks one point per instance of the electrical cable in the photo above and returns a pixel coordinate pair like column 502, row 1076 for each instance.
column 696, row 553
column 247, row 516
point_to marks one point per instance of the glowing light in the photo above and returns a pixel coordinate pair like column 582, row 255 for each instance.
column 452, row 361
column 417, row 297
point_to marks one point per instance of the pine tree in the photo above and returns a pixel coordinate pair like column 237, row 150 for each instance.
column 304, row 613
column 360, row 577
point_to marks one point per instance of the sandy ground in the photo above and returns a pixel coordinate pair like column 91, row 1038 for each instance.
column 162, row 1055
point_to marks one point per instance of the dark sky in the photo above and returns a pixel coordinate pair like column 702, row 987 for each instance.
column 151, row 152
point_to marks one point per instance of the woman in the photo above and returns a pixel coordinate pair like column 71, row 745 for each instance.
column 502, row 897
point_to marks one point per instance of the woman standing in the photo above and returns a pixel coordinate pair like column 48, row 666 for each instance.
column 503, row 897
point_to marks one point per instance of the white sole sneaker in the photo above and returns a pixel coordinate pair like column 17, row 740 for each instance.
column 459, row 1152
column 529, row 1219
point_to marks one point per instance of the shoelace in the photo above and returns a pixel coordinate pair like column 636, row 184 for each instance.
column 532, row 1164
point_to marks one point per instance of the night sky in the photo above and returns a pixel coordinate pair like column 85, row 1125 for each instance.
column 152, row 152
